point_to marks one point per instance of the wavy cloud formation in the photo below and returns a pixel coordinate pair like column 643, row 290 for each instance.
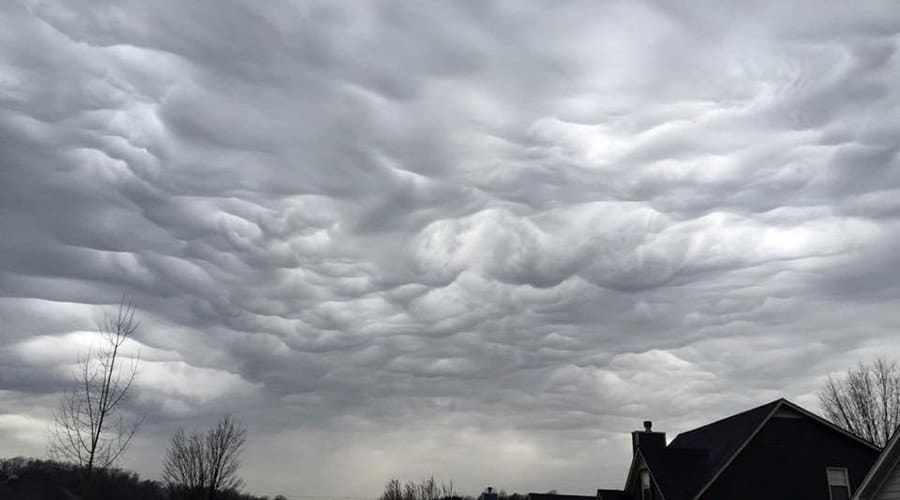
column 395, row 235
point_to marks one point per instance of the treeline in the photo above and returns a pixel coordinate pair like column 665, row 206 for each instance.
column 91, row 432
column 502, row 495
column 49, row 479
column 430, row 489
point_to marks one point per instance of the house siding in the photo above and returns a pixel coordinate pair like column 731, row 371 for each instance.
column 890, row 489
column 787, row 460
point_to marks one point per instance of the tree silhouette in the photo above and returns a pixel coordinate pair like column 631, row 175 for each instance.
column 866, row 401
column 90, row 429
column 199, row 466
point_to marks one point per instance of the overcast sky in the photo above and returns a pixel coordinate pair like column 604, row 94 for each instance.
column 483, row 240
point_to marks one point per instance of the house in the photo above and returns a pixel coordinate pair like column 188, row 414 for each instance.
column 488, row 494
column 777, row 451
column 883, row 480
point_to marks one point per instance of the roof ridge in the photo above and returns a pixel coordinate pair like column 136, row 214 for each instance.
column 720, row 467
column 776, row 405
column 730, row 417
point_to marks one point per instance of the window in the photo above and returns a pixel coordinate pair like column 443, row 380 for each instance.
column 838, row 484
column 645, row 485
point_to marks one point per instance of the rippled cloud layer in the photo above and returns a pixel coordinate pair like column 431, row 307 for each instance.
column 482, row 240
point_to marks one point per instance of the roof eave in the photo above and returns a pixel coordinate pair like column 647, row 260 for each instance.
column 888, row 456
column 781, row 403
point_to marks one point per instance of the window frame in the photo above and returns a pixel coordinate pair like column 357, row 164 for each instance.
column 846, row 484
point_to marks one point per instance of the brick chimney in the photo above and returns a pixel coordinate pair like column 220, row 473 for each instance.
column 647, row 440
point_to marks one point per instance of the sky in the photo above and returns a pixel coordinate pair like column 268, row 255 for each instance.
column 482, row 240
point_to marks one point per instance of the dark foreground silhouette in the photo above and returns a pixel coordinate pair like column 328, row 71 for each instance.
column 32, row 479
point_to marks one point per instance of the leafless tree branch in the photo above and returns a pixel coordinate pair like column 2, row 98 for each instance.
column 198, row 466
column 90, row 429
column 866, row 401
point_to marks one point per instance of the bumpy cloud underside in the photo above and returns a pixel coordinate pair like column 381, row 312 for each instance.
column 477, row 239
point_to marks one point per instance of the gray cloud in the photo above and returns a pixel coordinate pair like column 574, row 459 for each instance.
column 393, row 236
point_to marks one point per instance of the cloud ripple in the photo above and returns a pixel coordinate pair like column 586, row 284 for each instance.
column 393, row 235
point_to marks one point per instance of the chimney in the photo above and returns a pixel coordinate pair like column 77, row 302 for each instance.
column 647, row 440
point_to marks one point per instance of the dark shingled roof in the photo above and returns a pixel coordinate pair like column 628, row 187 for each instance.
column 706, row 450
column 678, row 472
column 683, row 467
column 688, row 464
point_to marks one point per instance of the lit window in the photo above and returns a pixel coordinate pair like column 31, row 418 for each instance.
column 838, row 484
column 645, row 485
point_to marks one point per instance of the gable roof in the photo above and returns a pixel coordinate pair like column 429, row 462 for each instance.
column 886, row 463
column 723, row 438
column 677, row 472
column 687, row 464
column 691, row 463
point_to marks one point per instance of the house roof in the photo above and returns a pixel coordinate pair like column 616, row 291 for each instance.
column 887, row 462
column 554, row 496
column 603, row 494
column 721, row 440
column 677, row 472
column 612, row 495
column 694, row 459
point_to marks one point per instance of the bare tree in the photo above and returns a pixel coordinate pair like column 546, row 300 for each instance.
column 410, row 491
column 184, row 469
column 866, row 401
column 428, row 489
column 447, row 490
column 223, row 449
column 392, row 490
column 199, row 465
column 90, row 428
